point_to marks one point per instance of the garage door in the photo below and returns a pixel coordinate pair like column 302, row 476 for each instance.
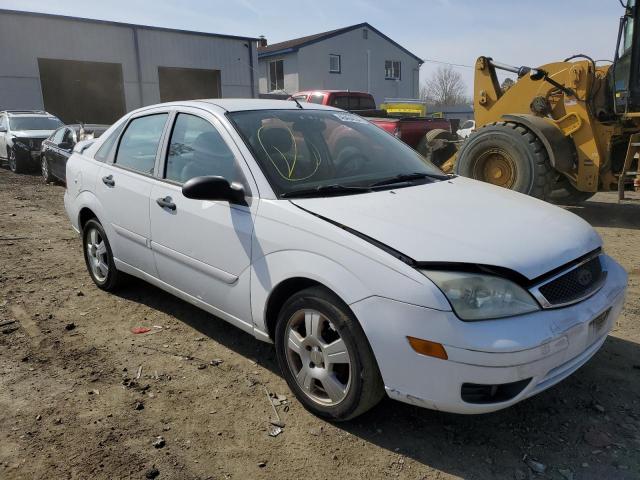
column 90, row 92
column 188, row 83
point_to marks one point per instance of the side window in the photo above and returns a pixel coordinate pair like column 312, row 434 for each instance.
column 105, row 149
column 139, row 143
column 69, row 136
column 316, row 98
column 197, row 149
column 57, row 137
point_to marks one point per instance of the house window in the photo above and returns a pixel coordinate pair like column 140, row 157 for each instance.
column 392, row 70
column 276, row 75
column 365, row 33
column 334, row 63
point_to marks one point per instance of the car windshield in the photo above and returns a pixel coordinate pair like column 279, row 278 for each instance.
column 307, row 150
column 34, row 123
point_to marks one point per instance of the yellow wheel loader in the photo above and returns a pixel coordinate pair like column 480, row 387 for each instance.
column 563, row 131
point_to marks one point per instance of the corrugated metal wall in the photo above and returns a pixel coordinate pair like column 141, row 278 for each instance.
column 140, row 50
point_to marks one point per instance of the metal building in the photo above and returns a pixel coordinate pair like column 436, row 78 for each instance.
column 95, row 71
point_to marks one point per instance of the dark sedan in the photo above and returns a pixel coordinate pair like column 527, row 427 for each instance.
column 58, row 148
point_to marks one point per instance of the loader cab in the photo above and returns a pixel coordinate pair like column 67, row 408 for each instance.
column 626, row 68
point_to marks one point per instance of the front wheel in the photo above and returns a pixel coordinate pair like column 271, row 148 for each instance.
column 99, row 257
column 46, row 170
column 16, row 165
column 325, row 356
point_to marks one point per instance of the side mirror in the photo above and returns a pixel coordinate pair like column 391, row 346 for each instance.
column 213, row 188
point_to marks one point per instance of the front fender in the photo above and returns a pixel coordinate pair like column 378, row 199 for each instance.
column 274, row 268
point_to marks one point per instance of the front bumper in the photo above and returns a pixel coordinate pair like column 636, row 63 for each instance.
column 24, row 153
column 545, row 347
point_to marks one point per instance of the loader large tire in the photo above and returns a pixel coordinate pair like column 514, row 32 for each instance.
column 565, row 193
column 510, row 156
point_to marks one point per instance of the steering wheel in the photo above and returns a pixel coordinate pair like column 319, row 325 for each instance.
column 350, row 161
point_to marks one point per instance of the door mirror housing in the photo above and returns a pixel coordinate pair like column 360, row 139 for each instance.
column 214, row 188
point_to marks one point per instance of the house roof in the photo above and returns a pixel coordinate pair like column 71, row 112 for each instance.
column 123, row 24
column 295, row 44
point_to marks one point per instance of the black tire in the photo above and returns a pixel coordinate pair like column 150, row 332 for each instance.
column 16, row 164
column 565, row 193
column 435, row 146
column 45, row 169
column 524, row 158
column 365, row 388
column 112, row 279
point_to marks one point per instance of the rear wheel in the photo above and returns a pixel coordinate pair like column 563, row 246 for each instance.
column 437, row 146
column 565, row 193
column 99, row 257
column 507, row 155
column 325, row 356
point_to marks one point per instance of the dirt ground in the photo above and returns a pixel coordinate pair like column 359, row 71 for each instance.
column 71, row 405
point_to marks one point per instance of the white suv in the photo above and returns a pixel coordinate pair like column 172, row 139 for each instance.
column 369, row 269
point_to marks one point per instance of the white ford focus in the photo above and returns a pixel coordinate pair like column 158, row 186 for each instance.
column 369, row 269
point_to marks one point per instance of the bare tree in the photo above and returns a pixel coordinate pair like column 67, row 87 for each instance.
column 445, row 87
column 507, row 84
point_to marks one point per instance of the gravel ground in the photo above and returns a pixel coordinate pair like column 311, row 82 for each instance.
column 81, row 396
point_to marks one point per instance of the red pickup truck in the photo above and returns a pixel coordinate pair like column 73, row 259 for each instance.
column 411, row 130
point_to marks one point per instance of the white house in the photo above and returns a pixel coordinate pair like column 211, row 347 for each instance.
column 358, row 58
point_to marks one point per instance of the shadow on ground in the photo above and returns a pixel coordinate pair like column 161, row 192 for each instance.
column 605, row 214
column 550, row 427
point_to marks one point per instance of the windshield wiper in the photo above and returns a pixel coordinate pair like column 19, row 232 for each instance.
column 324, row 190
column 407, row 177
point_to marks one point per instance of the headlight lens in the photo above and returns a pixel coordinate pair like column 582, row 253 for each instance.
column 481, row 297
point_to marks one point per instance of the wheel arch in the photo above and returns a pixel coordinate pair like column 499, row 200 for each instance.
column 277, row 276
column 559, row 148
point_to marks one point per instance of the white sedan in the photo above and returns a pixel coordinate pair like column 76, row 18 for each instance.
column 370, row 270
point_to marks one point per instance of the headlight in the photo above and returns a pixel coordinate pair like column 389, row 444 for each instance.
column 481, row 297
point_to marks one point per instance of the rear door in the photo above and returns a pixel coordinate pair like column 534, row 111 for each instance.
column 124, row 185
column 203, row 248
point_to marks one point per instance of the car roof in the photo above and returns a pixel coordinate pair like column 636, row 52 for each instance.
column 28, row 113
column 241, row 104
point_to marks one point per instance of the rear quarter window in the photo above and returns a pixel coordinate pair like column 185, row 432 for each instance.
column 105, row 150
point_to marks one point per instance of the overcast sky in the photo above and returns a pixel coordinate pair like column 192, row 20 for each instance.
column 518, row 32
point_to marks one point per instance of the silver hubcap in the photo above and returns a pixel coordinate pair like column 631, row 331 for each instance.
column 12, row 160
column 45, row 168
column 318, row 357
column 97, row 255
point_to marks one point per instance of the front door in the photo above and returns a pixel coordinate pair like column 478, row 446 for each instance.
column 203, row 248
column 124, row 187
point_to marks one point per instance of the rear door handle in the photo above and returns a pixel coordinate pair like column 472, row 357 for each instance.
column 166, row 203
column 109, row 181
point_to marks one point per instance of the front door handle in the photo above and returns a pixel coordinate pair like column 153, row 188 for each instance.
column 166, row 203
column 109, row 181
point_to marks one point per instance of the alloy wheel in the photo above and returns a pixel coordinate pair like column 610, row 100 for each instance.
column 13, row 165
column 97, row 255
column 44, row 165
column 318, row 357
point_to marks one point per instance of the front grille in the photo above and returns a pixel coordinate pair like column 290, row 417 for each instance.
column 574, row 285
column 36, row 143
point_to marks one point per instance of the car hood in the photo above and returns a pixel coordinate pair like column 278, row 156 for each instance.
column 32, row 133
column 464, row 221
